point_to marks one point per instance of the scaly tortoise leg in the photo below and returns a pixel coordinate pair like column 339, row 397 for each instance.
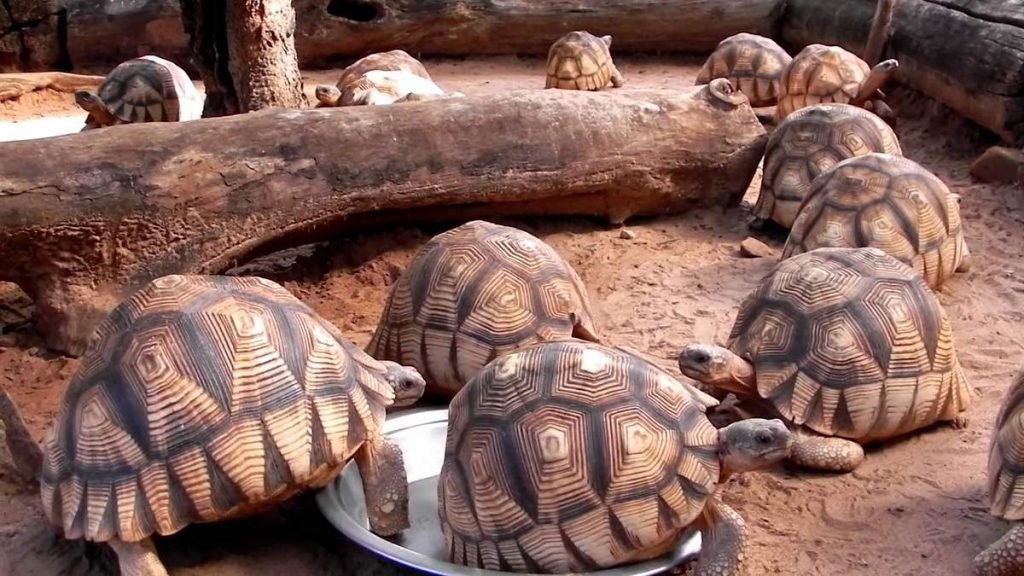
column 138, row 558
column 385, row 485
column 1005, row 557
column 826, row 453
column 617, row 79
column 723, row 540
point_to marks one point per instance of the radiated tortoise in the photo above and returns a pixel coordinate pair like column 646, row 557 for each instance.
column 581, row 61
column 476, row 292
column 570, row 456
column 392, row 60
column 752, row 63
column 204, row 398
column 888, row 202
column 847, row 344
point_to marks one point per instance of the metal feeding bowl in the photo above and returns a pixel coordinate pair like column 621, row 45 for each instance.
column 420, row 433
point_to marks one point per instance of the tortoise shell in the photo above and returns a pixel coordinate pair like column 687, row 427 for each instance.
column 149, row 89
column 570, row 456
column 1006, row 456
column 850, row 342
column 474, row 293
column 811, row 141
column 752, row 63
column 581, row 61
column 202, row 398
column 394, row 60
column 887, row 202
column 820, row 74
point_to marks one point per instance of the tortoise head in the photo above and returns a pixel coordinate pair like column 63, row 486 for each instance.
column 753, row 444
column 878, row 76
column 718, row 368
column 92, row 104
column 328, row 95
column 406, row 381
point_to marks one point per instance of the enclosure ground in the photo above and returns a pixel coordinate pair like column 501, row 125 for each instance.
column 916, row 506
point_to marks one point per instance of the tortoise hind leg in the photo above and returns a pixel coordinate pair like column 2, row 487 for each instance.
column 138, row 558
column 1003, row 558
column 724, row 540
column 618, row 81
column 826, row 453
column 385, row 485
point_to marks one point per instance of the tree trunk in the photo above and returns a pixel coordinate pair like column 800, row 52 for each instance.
column 965, row 54
column 263, row 63
column 881, row 27
column 87, row 218
column 206, row 28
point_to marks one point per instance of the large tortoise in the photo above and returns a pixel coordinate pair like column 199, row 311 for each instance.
column 752, row 63
column 581, row 61
column 383, row 87
column 204, row 398
column 392, row 60
column 888, row 202
column 144, row 89
column 809, row 142
column 1005, row 557
column 820, row 74
column 847, row 344
column 473, row 293
column 570, row 456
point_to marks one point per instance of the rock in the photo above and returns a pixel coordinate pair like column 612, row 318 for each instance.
column 753, row 248
column 627, row 234
column 997, row 164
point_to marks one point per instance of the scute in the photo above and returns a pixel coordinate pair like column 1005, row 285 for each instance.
column 753, row 63
column 1006, row 455
column 525, row 481
column 829, row 330
column 474, row 293
column 820, row 74
column 887, row 202
column 196, row 401
column 579, row 60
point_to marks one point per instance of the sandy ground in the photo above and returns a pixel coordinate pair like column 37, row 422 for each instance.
column 916, row 506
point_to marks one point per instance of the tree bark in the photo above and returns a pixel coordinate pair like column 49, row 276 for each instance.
column 980, row 75
column 87, row 218
column 206, row 27
column 263, row 63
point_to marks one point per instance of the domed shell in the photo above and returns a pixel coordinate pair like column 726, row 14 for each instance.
column 1006, row 456
column 820, row 74
column 887, row 202
column 850, row 342
column 393, row 60
column 753, row 64
column 580, row 61
column 811, row 141
column 570, row 456
column 202, row 398
column 476, row 292
column 149, row 89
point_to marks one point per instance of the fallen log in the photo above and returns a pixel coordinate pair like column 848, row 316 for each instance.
column 16, row 85
column 980, row 75
column 87, row 218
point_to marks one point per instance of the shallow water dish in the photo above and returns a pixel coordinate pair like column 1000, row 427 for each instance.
column 420, row 433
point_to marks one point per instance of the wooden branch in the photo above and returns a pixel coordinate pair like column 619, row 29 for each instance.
column 88, row 217
column 881, row 27
column 13, row 86
column 980, row 76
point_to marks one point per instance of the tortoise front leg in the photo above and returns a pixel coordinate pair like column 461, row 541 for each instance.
column 385, row 485
column 618, row 81
column 138, row 558
column 724, row 540
column 830, row 454
column 1003, row 558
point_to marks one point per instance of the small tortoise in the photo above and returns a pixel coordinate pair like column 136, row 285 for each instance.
column 888, row 202
column 204, row 398
column 476, row 292
column 570, row 456
column 145, row 89
column 393, row 60
column 753, row 64
column 1006, row 486
column 847, row 343
column 581, row 61
column 809, row 142
column 821, row 74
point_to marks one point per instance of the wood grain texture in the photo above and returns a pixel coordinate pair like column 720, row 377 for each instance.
column 86, row 217
column 851, row 342
column 980, row 75
column 203, row 398
column 572, row 456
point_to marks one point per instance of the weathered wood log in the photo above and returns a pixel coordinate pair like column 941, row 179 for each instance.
column 980, row 75
column 88, row 217
column 14, row 86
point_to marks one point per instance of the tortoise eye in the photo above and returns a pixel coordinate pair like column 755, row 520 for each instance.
column 763, row 438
